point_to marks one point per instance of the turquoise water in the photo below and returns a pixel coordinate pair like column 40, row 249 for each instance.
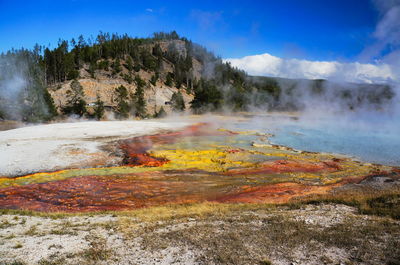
column 369, row 138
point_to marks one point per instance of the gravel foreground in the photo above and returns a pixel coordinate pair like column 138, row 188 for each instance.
column 311, row 234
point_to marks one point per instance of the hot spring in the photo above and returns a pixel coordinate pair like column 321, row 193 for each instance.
column 370, row 138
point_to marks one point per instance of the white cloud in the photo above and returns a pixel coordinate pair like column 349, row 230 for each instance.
column 269, row 65
column 386, row 47
column 149, row 10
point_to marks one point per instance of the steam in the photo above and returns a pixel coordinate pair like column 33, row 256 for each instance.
column 12, row 86
column 21, row 88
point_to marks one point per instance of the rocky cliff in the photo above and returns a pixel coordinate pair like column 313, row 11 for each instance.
column 103, row 82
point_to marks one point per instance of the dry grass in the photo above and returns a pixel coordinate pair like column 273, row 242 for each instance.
column 380, row 202
column 97, row 251
column 18, row 245
column 56, row 261
column 5, row 224
column 15, row 262
column 32, row 231
column 196, row 210
column 254, row 238
column 9, row 125
column 258, row 233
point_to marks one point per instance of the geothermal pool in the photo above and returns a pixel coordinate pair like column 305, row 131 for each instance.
column 370, row 139
column 202, row 159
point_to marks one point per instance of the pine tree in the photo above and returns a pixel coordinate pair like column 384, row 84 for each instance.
column 52, row 110
column 148, row 60
column 154, row 79
column 121, row 98
column 117, row 66
column 160, row 114
column 92, row 69
column 75, row 100
column 139, row 104
column 136, row 67
column 70, row 70
column 129, row 64
column 169, row 80
column 178, row 104
column 207, row 97
column 98, row 108
column 157, row 52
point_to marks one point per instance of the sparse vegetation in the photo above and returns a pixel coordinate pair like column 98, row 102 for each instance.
column 98, row 250
column 11, row 236
column 380, row 202
column 32, row 231
column 14, row 262
column 62, row 232
column 56, row 261
column 18, row 245
column 128, row 78
column 5, row 224
column 255, row 236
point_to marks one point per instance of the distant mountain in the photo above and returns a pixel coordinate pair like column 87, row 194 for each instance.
column 298, row 94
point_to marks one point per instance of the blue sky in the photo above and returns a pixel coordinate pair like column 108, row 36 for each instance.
column 308, row 29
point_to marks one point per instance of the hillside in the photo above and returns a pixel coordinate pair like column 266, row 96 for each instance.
column 103, row 82
column 148, row 77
